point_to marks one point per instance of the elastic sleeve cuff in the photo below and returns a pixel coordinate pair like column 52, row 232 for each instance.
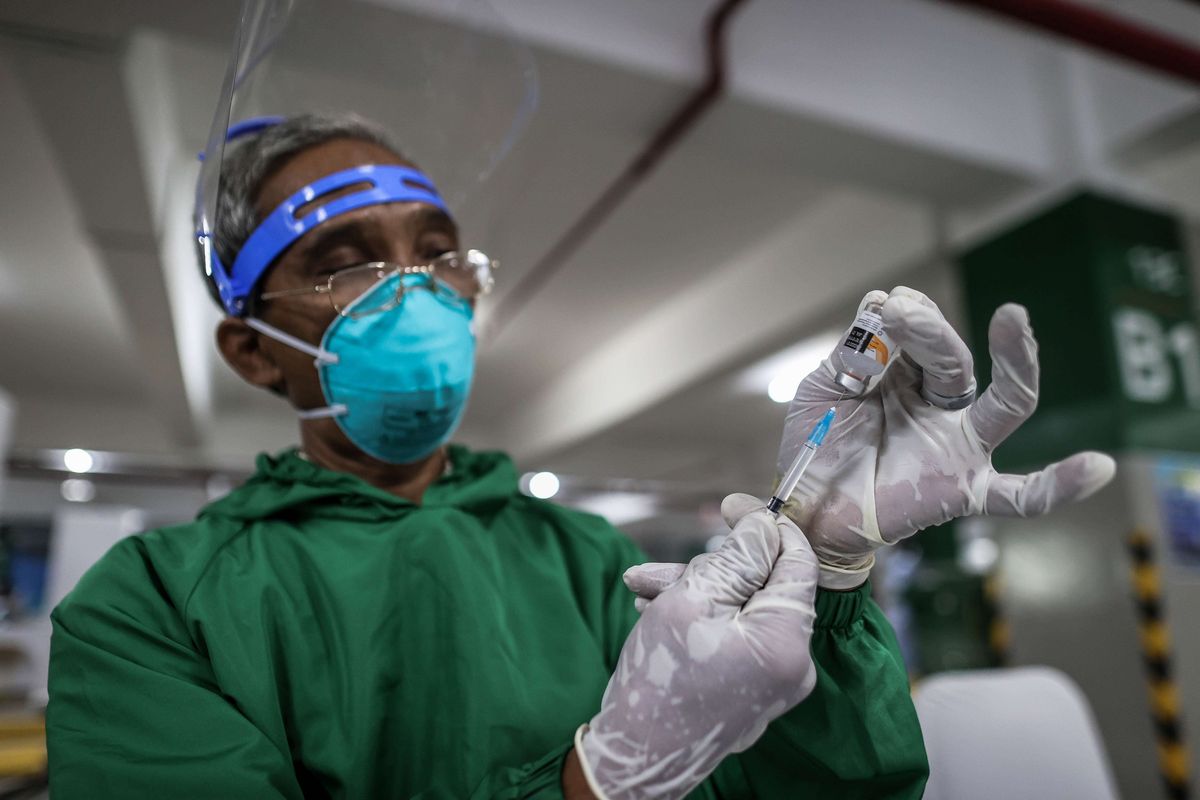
column 584, row 766
column 841, row 578
column 841, row 609
column 840, row 581
column 543, row 778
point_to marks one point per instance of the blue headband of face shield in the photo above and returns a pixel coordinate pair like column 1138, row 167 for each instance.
column 386, row 183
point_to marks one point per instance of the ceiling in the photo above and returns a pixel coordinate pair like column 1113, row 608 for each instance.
column 860, row 143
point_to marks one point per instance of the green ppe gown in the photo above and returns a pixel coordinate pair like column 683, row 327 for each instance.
column 310, row 635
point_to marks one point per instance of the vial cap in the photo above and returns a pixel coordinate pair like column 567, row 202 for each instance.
column 851, row 384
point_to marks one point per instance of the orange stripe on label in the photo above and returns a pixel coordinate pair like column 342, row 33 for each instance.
column 879, row 349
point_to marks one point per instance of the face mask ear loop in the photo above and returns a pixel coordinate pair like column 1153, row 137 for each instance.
column 335, row 410
column 321, row 356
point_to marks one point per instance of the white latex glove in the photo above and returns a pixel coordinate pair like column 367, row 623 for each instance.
column 893, row 464
column 711, row 662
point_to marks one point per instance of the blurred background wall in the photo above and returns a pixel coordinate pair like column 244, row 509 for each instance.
column 639, row 374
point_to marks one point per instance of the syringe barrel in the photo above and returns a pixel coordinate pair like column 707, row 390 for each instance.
column 800, row 464
column 796, row 471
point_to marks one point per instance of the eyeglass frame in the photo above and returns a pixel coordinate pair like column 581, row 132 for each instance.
column 391, row 268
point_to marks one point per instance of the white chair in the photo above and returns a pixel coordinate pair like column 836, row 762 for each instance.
column 1011, row 734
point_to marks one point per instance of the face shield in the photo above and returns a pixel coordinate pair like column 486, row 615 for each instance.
column 452, row 91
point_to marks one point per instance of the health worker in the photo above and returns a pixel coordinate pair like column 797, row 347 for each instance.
column 380, row 613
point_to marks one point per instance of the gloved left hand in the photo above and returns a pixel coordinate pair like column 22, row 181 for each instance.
column 707, row 668
column 893, row 464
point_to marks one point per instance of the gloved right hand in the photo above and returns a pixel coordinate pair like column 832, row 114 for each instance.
column 711, row 662
column 894, row 464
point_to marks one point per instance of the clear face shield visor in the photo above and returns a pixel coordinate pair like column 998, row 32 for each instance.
column 453, row 92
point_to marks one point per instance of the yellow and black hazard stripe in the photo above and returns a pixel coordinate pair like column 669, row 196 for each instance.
column 1156, row 654
column 997, row 625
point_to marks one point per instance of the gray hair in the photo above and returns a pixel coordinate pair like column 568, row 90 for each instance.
column 245, row 168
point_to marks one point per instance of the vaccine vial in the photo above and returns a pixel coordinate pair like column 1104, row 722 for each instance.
column 863, row 352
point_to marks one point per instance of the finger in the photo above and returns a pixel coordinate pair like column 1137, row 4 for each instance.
column 791, row 588
column 1013, row 394
column 923, row 299
column 873, row 297
column 820, row 386
column 740, row 566
column 1066, row 481
column 914, row 295
column 640, row 603
column 918, row 328
column 736, row 506
column 651, row 579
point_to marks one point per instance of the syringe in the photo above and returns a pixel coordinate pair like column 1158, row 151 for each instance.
column 803, row 458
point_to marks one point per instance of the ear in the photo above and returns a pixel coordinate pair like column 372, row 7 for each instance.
column 242, row 348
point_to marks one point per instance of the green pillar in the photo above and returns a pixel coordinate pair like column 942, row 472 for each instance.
column 1109, row 292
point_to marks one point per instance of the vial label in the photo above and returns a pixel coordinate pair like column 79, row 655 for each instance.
column 879, row 349
column 858, row 339
column 870, row 322
column 866, row 339
column 866, row 329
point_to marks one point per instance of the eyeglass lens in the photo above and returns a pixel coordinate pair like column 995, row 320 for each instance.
column 467, row 276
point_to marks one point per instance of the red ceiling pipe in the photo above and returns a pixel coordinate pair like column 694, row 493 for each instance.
column 1107, row 33
column 665, row 140
column 1104, row 32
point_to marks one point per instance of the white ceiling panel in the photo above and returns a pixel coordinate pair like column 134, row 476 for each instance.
column 60, row 325
column 850, row 129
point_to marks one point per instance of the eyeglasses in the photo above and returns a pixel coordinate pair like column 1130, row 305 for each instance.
column 468, row 276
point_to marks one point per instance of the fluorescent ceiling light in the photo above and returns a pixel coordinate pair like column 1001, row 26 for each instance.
column 780, row 374
column 78, row 460
column 543, row 485
column 78, row 490
column 620, row 508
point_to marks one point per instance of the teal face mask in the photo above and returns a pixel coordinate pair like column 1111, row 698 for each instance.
column 396, row 381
